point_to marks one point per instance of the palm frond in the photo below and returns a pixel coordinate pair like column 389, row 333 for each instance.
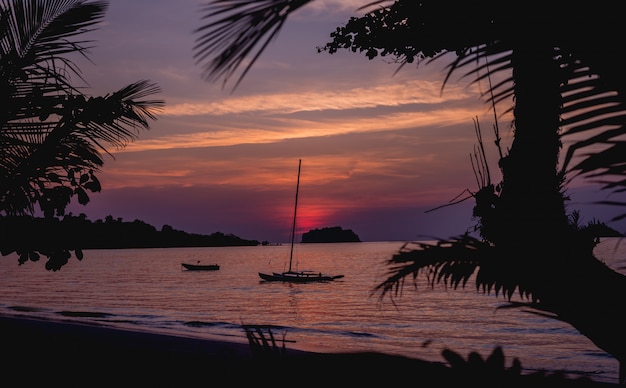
column 450, row 262
column 531, row 307
column 236, row 30
column 116, row 117
column 50, row 132
column 43, row 31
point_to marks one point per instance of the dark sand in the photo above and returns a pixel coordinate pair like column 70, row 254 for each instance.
column 69, row 354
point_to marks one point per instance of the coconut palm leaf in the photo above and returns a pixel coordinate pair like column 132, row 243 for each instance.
column 46, row 28
column 237, row 31
column 51, row 134
column 439, row 262
column 452, row 263
column 37, row 35
column 116, row 118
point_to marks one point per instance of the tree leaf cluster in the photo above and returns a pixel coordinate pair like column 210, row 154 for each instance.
column 31, row 237
column 53, row 134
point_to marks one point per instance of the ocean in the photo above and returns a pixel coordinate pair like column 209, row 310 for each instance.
column 148, row 290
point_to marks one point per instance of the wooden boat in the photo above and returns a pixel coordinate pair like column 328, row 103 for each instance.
column 297, row 276
column 200, row 267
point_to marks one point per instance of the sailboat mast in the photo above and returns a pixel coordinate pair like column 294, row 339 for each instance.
column 295, row 211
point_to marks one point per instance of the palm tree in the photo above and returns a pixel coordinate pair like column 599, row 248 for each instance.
column 560, row 82
column 51, row 133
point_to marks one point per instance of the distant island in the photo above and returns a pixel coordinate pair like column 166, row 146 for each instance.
column 334, row 234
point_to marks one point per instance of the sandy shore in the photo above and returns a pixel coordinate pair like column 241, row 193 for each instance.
column 46, row 352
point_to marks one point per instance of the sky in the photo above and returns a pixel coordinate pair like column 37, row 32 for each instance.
column 384, row 151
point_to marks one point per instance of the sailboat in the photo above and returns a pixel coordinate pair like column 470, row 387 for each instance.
column 297, row 276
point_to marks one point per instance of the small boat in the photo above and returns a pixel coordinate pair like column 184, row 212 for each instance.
column 297, row 276
column 200, row 267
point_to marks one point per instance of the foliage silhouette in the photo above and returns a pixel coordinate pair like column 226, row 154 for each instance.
column 77, row 231
column 330, row 235
column 51, row 133
column 560, row 82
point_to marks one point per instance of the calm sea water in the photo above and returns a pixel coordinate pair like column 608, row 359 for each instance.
column 147, row 289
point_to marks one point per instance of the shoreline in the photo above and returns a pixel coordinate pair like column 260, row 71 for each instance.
column 46, row 351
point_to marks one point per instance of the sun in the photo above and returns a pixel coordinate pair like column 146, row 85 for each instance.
column 311, row 217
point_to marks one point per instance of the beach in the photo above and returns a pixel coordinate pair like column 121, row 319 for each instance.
column 54, row 352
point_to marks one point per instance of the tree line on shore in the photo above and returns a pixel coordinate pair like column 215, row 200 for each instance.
column 110, row 233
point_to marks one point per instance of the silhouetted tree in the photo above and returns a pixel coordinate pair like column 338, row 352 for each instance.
column 559, row 80
column 77, row 231
column 52, row 135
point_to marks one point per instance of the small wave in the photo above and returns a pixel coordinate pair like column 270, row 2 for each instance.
column 201, row 324
column 599, row 354
column 361, row 335
column 25, row 309
column 545, row 329
column 84, row 314
column 572, row 373
column 126, row 322
column 325, row 332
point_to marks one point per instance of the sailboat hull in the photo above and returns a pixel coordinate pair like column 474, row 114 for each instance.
column 297, row 277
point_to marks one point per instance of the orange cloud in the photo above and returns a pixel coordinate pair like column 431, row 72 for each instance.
column 410, row 92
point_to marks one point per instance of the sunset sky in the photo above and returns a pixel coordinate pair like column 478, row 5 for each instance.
column 378, row 148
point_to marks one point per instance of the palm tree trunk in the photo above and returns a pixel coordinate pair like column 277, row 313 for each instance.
column 531, row 199
column 537, row 243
